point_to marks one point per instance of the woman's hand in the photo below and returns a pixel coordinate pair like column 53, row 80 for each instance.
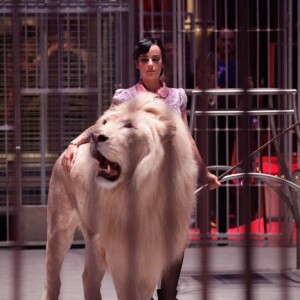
column 212, row 181
column 69, row 157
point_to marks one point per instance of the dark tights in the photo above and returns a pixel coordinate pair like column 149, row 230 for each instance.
column 169, row 282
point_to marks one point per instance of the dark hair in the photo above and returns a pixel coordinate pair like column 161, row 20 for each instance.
column 143, row 46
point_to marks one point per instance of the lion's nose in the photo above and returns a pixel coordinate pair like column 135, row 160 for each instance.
column 99, row 137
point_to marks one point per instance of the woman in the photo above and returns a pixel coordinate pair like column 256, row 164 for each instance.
column 149, row 58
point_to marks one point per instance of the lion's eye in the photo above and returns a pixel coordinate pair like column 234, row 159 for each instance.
column 128, row 125
column 104, row 122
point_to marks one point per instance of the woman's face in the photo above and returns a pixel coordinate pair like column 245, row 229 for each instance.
column 150, row 64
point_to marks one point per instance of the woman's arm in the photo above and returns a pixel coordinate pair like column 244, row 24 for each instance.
column 205, row 177
column 70, row 154
column 84, row 137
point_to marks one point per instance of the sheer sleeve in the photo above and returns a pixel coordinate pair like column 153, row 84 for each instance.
column 182, row 99
column 120, row 96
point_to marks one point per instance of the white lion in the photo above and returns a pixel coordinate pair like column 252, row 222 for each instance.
column 131, row 192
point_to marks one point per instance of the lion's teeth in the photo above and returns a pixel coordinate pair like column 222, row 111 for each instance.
column 108, row 169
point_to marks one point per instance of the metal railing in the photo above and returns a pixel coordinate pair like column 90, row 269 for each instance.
column 285, row 186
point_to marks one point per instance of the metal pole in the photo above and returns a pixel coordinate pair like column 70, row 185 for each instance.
column 243, row 62
column 18, row 170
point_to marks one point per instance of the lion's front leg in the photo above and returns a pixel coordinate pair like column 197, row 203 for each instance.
column 95, row 266
column 57, row 244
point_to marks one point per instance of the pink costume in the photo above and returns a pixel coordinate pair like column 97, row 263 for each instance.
column 175, row 98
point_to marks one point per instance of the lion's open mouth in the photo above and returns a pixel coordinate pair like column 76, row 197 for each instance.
column 107, row 169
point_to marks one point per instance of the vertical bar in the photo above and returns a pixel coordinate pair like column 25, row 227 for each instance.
column 7, row 92
column 118, row 42
column 269, row 97
column 258, row 42
column 57, row 19
column 227, row 130
column 268, row 43
column 237, row 135
column 203, row 203
column 257, row 83
column 18, row 171
column 65, row 39
column 215, row 42
column 243, row 57
column 175, row 43
column 216, row 119
column 183, row 44
column 193, row 48
column 287, row 16
column 226, row 47
column 288, row 149
column 109, row 55
column 290, row 44
column 179, row 45
column 99, row 59
column 43, row 111
column 162, row 20
column 141, row 19
column 131, row 40
column 283, row 9
column 152, row 17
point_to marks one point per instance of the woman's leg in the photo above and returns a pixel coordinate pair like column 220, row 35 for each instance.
column 169, row 282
